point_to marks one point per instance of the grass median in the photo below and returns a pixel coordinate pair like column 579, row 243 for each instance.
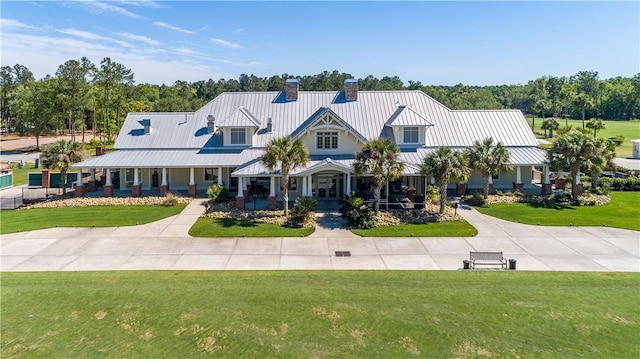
column 320, row 314
column 229, row 227
column 622, row 212
column 90, row 216
column 430, row 229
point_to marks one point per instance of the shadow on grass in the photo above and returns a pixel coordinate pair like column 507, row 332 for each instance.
column 551, row 205
column 230, row 222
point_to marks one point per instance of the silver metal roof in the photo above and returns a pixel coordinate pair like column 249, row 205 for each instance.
column 405, row 116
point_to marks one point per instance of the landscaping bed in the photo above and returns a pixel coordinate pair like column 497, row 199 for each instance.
column 106, row 201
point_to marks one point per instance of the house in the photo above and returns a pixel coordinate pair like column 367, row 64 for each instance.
column 222, row 142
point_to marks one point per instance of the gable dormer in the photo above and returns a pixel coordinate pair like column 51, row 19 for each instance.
column 239, row 128
column 408, row 126
column 325, row 132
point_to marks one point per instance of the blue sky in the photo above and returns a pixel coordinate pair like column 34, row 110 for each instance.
column 437, row 43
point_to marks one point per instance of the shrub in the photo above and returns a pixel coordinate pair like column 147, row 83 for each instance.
column 217, row 193
column 620, row 184
column 358, row 214
column 433, row 194
column 302, row 212
column 477, row 200
column 170, row 200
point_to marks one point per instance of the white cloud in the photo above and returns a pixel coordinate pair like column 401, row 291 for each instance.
column 92, row 36
column 237, row 31
column 174, row 28
column 15, row 24
column 140, row 3
column 104, row 7
column 139, row 38
column 184, row 51
column 225, row 43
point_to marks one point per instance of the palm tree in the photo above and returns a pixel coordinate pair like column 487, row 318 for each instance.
column 575, row 151
column 596, row 125
column 488, row 159
column 379, row 159
column 550, row 124
column 583, row 102
column 601, row 160
column 445, row 166
column 59, row 155
column 287, row 154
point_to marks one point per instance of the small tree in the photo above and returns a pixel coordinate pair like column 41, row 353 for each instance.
column 575, row 151
column 488, row 159
column 60, row 155
column 379, row 158
column 550, row 124
column 287, row 154
column 583, row 102
column 445, row 166
column 596, row 125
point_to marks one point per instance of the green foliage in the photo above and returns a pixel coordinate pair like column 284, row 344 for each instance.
column 488, row 159
column 230, row 228
column 170, row 200
column 620, row 184
column 431, row 229
column 217, row 193
column 60, row 155
column 445, row 165
column 302, row 212
column 358, row 214
column 433, row 194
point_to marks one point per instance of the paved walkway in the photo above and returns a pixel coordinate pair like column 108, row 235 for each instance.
column 166, row 245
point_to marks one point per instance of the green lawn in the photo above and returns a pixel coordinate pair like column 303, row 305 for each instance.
column 629, row 129
column 622, row 212
column 441, row 229
column 320, row 314
column 224, row 227
column 93, row 216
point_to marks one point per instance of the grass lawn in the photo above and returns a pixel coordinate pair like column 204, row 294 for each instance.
column 629, row 129
column 622, row 212
column 441, row 229
column 319, row 314
column 93, row 216
column 224, row 227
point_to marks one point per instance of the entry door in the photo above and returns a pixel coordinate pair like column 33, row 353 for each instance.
column 328, row 186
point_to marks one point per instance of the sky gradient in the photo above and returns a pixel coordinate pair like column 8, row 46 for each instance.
column 436, row 43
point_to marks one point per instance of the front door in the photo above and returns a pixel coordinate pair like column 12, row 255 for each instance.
column 328, row 186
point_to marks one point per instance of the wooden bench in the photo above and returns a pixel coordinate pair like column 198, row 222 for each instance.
column 487, row 258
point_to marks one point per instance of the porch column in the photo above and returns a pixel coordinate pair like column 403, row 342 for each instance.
column 304, row 186
column 164, row 188
column 546, row 185
column 310, row 186
column 579, row 185
column 271, row 204
column 79, row 186
column 386, row 192
column 108, row 187
column 220, row 176
column 240, row 195
column 136, row 191
column 92, row 186
column 192, row 183
column 349, row 184
column 517, row 185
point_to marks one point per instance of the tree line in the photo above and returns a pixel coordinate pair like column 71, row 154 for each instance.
column 83, row 96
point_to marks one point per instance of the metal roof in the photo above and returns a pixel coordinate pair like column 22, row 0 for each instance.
column 240, row 118
column 405, row 116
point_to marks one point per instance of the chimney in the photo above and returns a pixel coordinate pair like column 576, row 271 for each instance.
column 351, row 89
column 291, row 90
column 269, row 125
column 211, row 124
column 146, row 123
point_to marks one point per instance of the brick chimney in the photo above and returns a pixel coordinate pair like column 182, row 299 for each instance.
column 351, row 89
column 291, row 90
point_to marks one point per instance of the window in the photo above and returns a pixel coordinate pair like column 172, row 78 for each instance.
column 327, row 140
column 211, row 174
column 238, row 136
column 293, row 184
column 411, row 135
column 129, row 176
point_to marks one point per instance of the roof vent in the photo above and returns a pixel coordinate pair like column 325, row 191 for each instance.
column 269, row 125
column 146, row 123
column 211, row 124
column 291, row 90
column 351, row 89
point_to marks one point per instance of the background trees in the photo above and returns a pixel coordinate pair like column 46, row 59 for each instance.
column 108, row 93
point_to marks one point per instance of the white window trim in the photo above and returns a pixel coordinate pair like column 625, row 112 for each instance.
column 326, row 149
column 231, row 130
column 404, row 129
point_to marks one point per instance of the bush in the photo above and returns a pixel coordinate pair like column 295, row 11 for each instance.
column 433, row 194
column 358, row 214
column 217, row 193
column 170, row 200
column 620, row 184
column 477, row 200
column 302, row 212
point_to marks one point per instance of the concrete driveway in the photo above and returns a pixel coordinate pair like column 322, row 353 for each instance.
column 166, row 245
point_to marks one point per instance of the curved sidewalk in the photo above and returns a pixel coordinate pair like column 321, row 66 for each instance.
column 166, row 245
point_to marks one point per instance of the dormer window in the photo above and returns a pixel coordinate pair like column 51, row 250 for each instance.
column 327, row 140
column 411, row 135
column 238, row 136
